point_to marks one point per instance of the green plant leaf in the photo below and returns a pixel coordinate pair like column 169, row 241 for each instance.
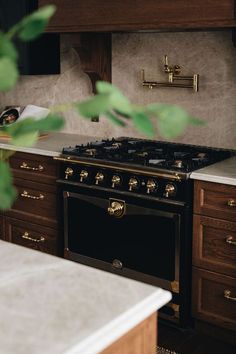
column 34, row 25
column 196, row 121
column 172, row 120
column 105, row 87
column 7, row 191
column 30, row 125
column 7, row 49
column 8, row 74
column 27, row 139
column 114, row 119
column 5, row 154
column 143, row 124
column 119, row 102
column 95, row 106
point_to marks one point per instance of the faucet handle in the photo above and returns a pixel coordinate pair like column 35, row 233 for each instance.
column 167, row 69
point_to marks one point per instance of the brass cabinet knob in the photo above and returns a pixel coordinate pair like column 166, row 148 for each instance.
column 83, row 175
column 133, row 184
column 99, row 177
column 151, row 185
column 68, row 172
column 116, row 180
column 170, row 190
column 116, row 209
column 230, row 240
column 231, row 203
column 227, row 295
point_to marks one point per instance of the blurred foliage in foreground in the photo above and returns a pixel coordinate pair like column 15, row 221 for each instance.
column 169, row 120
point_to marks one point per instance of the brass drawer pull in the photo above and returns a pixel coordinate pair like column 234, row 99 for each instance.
column 26, row 236
column 231, row 203
column 25, row 194
column 227, row 295
column 25, row 166
column 230, row 240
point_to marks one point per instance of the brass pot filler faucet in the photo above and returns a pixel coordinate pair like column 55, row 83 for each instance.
column 174, row 78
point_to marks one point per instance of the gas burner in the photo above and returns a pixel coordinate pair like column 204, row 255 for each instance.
column 177, row 158
column 90, row 152
column 178, row 164
column 201, row 155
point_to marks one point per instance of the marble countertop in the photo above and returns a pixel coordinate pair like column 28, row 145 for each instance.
column 51, row 305
column 220, row 172
column 51, row 144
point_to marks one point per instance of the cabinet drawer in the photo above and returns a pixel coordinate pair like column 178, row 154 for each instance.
column 214, row 244
column 211, row 301
column 34, row 167
column 35, row 201
column 32, row 236
column 215, row 199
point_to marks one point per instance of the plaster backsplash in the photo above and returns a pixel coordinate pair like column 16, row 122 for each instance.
column 209, row 54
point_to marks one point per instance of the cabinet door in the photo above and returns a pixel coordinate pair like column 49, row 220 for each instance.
column 215, row 199
column 214, row 244
column 119, row 15
column 214, row 298
column 33, row 236
column 33, row 167
column 2, row 236
column 36, row 202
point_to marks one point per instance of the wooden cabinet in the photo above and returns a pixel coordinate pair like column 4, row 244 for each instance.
column 118, row 15
column 33, row 219
column 142, row 339
column 2, row 233
column 214, row 254
column 31, row 235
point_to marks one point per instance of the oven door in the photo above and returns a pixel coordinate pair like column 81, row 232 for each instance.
column 124, row 236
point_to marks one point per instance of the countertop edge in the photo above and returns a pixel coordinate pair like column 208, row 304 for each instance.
column 112, row 331
column 212, row 178
column 31, row 150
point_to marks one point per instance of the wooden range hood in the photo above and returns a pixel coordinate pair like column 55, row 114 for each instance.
column 95, row 20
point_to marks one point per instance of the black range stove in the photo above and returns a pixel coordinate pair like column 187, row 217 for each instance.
column 127, row 209
column 126, row 163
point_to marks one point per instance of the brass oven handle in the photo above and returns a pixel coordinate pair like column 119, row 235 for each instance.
column 116, row 209
column 25, row 166
column 231, row 203
column 25, row 194
column 227, row 295
column 230, row 240
column 27, row 237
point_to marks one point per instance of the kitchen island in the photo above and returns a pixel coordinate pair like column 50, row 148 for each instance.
column 50, row 305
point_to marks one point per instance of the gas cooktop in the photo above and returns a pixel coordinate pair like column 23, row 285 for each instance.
column 147, row 153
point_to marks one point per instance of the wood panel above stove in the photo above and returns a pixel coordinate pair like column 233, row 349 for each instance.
column 118, row 15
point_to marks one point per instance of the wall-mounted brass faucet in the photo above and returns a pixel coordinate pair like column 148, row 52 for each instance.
column 174, row 78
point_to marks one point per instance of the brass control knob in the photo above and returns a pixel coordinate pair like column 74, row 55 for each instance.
column 133, row 184
column 116, row 209
column 151, row 185
column 83, row 175
column 116, row 180
column 99, row 177
column 170, row 190
column 68, row 172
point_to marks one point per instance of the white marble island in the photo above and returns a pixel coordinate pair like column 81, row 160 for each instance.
column 50, row 305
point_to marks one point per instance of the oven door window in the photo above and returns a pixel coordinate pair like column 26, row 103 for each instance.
column 144, row 240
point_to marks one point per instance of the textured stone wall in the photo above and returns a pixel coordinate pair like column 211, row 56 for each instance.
column 209, row 54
